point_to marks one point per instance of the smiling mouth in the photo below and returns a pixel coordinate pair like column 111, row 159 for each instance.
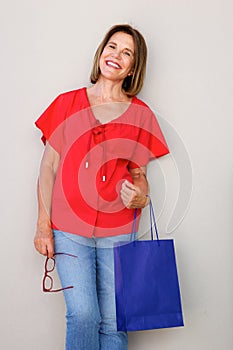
column 113, row 64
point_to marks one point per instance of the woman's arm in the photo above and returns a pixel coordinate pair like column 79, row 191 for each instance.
column 135, row 195
column 43, row 240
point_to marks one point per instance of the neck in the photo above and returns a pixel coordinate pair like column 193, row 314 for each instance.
column 108, row 90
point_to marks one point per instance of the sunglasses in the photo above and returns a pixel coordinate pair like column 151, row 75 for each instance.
column 50, row 264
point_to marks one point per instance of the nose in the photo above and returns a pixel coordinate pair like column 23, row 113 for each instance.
column 117, row 53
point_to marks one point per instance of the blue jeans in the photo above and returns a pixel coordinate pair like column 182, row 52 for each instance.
column 90, row 305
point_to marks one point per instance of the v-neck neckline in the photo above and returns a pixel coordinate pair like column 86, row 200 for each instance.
column 97, row 121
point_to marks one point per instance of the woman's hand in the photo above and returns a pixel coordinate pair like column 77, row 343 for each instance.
column 43, row 240
column 132, row 196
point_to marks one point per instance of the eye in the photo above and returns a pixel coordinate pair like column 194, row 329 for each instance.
column 127, row 53
column 111, row 46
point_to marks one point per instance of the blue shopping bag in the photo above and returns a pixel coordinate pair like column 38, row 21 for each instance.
column 146, row 284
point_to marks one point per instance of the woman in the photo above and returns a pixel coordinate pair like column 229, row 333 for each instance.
column 92, row 177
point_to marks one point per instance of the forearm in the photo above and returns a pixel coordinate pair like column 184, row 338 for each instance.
column 43, row 240
column 44, row 193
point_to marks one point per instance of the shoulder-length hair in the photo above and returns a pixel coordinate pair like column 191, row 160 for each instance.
column 132, row 84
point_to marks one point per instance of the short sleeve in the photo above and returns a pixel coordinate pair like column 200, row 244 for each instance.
column 50, row 122
column 151, row 143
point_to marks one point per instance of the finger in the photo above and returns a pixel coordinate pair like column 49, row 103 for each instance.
column 41, row 249
column 38, row 245
column 50, row 250
column 126, row 199
column 126, row 194
column 129, row 190
column 129, row 202
column 44, row 247
column 129, row 185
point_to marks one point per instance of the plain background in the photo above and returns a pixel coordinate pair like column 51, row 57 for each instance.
column 47, row 47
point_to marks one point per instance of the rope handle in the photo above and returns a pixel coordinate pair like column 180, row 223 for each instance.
column 153, row 226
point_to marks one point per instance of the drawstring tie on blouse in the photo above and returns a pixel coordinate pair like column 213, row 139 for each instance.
column 98, row 134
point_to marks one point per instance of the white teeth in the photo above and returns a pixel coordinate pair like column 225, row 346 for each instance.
column 109, row 63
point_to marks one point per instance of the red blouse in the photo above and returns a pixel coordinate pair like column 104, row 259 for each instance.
column 95, row 159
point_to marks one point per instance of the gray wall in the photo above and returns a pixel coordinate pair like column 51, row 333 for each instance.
column 47, row 48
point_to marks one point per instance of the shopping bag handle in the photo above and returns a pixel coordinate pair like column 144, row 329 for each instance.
column 153, row 226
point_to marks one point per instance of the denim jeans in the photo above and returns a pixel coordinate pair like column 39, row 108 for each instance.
column 90, row 305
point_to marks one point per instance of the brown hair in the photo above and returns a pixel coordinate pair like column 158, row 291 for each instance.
column 132, row 84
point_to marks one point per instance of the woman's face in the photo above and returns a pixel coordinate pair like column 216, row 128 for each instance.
column 117, row 59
